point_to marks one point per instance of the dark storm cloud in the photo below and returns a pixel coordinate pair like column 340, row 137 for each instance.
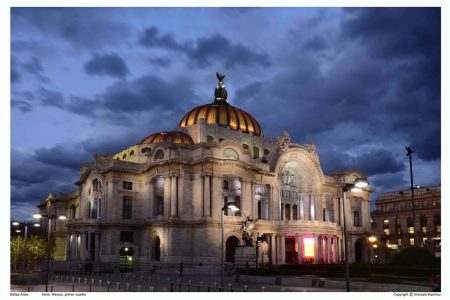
column 316, row 43
column 60, row 156
column 34, row 67
column 153, row 39
column 160, row 61
column 378, row 161
column 409, row 41
column 206, row 49
column 81, row 27
column 22, row 100
column 107, row 64
column 51, row 98
column 15, row 76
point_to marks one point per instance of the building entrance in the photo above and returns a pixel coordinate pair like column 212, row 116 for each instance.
column 291, row 254
column 126, row 259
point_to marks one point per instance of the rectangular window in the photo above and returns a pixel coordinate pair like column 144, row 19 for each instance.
column 387, row 231
column 127, row 185
column 159, row 205
column 126, row 236
column 126, row 207
column 424, row 229
column 411, row 229
column 424, row 241
column 356, row 218
column 259, row 210
column 282, row 211
column 288, row 212
column 225, row 184
column 294, row 212
column 411, row 241
column 399, row 242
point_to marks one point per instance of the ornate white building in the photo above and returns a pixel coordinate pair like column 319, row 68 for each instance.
column 160, row 201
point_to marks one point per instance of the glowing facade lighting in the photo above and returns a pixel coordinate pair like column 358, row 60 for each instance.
column 15, row 223
column 361, row 182
column 62, row 217
column 372, row 238
column 37, row 216
column 308, row 247
column 355, row 189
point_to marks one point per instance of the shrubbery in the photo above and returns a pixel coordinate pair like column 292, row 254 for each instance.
column 413, row 256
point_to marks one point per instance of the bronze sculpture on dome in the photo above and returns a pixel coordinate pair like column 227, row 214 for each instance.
column 220, row 93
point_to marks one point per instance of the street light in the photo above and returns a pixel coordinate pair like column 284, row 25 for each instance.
column 49, row 232
column 357, row 186
column 370, row 240
column 409, row 153
column 233, row 207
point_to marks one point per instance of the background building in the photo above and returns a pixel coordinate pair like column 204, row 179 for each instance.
column 393, row 220
column 160, row 201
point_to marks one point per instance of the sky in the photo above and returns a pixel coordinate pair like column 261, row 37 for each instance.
column 361, row 84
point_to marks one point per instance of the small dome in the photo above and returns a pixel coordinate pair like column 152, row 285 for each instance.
column 176, row 137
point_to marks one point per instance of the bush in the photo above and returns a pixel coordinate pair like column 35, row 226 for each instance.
column 413, row 256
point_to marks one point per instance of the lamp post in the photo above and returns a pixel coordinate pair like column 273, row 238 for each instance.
column 357, row 186
column 49, row 232
column 370, row 240
column 409, row 153
column 233, row 207
column 17, row 224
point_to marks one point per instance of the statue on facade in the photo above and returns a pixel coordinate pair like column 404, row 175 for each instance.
column 220, row 93
column 288, row 178
column 246, row 230
column 284, row 141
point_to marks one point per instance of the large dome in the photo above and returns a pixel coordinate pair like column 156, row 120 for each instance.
column 220, row 112
column 225, row 115
column 175, row 137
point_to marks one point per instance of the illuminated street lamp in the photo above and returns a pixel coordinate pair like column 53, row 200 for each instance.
column 370, row 240
column 357, row 186
column 233, row 207
column 50, row 217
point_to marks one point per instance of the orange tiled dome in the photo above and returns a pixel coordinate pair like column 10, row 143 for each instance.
column 175, row 137
column 225, row 115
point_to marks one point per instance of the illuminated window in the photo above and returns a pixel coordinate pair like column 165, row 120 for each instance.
column 387, row 231
column 308, row 247
column 399, row 242
column 386, row 223
column 410, row 229
column 411, row 241
column 424, row 241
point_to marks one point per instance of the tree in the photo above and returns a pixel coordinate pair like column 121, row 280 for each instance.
column 35, row 252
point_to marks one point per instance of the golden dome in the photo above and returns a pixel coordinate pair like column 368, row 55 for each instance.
column 224, row 115
column 175, row 137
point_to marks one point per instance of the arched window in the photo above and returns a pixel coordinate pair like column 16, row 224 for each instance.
column 146, row 150
column 209, row 139
column 386, row 229
column 423, row 224
column 410, row 225
column 159, row 154
column 230, row 153
column 245, row 146
column 124, row 156
column 266, row 151
column 131, row 152
column 96, row 185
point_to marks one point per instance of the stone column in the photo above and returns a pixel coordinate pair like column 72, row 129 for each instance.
column 316, row 249
column 180, row 199
column 173, row 196
column 300, row 248
column 149, row 198
column 206, row 196
column 217, row 197
column 167, row 189
column 269, row 203
column 283, row 248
